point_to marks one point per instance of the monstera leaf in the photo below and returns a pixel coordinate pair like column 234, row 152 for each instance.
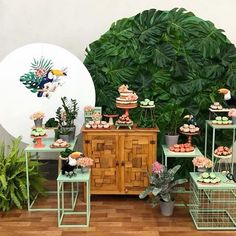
column 171, row 57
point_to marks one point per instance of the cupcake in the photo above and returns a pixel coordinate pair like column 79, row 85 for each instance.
column 186, row 130
column 88, row 126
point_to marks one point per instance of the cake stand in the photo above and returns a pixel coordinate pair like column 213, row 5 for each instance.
column 190, row 135
column 111, row 116
column 38, row 141
column 126, row 107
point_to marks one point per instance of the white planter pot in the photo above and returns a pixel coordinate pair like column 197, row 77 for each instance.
column 167, row 208
column 171, row 139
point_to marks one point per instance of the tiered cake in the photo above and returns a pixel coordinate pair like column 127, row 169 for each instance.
column 127, row 99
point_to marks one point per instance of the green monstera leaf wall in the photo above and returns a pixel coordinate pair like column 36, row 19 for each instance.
column 171, row 57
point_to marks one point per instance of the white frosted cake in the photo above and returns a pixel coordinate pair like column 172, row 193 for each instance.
column 127, row 98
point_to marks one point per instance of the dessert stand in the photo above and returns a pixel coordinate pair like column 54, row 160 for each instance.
column 147, row 113
column 189, row 136
column 130, row 124
column 38, row 141
column 111, row 116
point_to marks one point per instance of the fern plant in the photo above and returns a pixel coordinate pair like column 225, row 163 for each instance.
column 13, row 188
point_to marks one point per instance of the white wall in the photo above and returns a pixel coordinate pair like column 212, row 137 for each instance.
column 73, row 24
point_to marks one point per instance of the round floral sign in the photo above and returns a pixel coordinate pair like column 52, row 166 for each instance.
column 34, row 78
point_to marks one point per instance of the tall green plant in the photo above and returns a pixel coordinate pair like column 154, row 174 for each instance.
column 168, row 56
column 13, row 190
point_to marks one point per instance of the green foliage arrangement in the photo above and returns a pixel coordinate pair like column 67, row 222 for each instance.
column 39, row 69
column 171, row 57
column 51, row 123
column 67, row 113
column 13, row 190
column 162, row 182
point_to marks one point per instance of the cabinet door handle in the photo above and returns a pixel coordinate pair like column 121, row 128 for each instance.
column 123, row 163
column 126, row 190
column 117, row 163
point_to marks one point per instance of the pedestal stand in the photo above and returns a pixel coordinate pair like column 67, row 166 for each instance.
column 147, row 114
column 111, row 117
column 190, row 135
column 130, row 124
column 38, row 141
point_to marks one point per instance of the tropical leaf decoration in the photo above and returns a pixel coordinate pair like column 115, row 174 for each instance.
column 13, row 190
column 38, row 70
column 171, row 57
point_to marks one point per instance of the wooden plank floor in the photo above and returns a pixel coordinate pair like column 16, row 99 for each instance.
column 110, row 215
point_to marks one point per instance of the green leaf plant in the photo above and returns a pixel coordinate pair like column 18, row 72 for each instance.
column 162, row 183
column 172, row 57
column 13, row 188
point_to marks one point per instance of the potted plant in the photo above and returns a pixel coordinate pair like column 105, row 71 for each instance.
column 13, row 190
column 64, row 134
column 37, row 117
column 171, row 119
column 202, row 163
column 66, row 114
column 85, row 163
column 162, row 182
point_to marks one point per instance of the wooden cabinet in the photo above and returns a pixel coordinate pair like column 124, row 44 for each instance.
column 121, row 159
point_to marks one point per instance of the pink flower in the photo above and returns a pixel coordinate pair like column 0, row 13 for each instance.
column 88, row 108
column 232, row 112
column 85, row 161
column 202, row 162
column 40, row 72
column 157, row 167
column 37, row 115
column 132, row 97
column 123, row 88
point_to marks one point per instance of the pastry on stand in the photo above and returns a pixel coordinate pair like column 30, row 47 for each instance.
column 189, row 131
column 127, row 100
column 38, row 134
column 124, row 121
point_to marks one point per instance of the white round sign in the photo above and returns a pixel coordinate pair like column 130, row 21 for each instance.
column 34, row 78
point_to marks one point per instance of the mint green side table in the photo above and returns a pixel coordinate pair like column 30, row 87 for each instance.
column 46, row 149
column 79, row 178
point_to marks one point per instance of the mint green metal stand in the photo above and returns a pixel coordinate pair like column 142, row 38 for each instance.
column 79, row 178
column 213, row 206
column 169, row 154
column 166, row 153
column 219, row 127
column 31, row 149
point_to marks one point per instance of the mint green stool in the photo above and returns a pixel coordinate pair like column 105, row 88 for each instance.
column 79, row 178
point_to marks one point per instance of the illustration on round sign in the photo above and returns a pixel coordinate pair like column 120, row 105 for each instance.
column 42, row 78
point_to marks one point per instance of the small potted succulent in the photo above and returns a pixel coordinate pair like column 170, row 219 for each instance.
column 37, row 117
column 162, row 182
